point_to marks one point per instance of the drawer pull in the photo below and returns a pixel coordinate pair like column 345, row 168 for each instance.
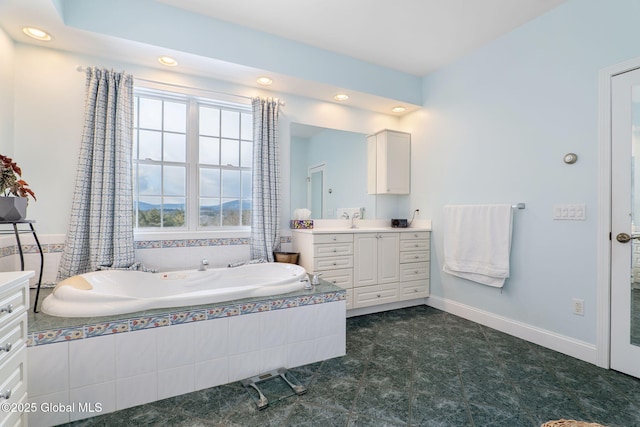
column 335, row 263
column 6, row 395
column 378, row 295
column 334, row 238
column 417, row 256
column 334, row 281
column 335, row 250
column 7, row 347
column 415, row 235
column 415, row 290
column 417, row 245
column 416, row 272
column 8, row 309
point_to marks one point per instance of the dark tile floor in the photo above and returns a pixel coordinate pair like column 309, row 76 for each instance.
column 417, row 367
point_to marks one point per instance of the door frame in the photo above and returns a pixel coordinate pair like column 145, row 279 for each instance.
column 603, row 252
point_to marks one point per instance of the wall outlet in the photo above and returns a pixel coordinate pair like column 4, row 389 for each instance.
column 578, row 306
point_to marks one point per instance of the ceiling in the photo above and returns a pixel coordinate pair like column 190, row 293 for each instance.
column 371, row 39
column 383, row 32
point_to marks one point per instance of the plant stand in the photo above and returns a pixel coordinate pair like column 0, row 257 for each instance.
column 17, row 232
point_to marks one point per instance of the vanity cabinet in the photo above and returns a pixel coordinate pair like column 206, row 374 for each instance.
column 376, row 258
column 374, row 267
column 14, row 303
column 389, row 163
column 330, row 255
column 414, row 264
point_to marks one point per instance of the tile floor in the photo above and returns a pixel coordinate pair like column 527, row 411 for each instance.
column 417, row 367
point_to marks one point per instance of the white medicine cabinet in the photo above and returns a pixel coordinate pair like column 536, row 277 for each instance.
column 389, row 162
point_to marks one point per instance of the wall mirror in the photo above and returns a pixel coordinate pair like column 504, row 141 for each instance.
column 329, row 171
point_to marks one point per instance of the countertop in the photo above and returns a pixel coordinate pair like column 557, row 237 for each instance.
column 362, row 226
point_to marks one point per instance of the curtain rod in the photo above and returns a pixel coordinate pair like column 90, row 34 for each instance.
column 80, row 68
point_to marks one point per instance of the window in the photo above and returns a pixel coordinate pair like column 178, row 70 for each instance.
column 192, row 162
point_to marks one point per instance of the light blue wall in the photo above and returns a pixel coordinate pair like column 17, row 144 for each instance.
column 494, row 129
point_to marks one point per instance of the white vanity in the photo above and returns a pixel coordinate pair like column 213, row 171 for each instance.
column 14, row 303
column 376, row 265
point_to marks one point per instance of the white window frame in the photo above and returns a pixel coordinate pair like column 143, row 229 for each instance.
column 192, row 221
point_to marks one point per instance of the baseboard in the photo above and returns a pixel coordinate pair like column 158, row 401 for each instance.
column 557, row 342
column 385, row 307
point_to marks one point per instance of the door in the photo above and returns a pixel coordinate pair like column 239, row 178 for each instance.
column 315, row 190
column 388, row 257
column 366, row 259
column 625, row 223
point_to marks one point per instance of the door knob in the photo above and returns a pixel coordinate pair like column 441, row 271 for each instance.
column 624, row 237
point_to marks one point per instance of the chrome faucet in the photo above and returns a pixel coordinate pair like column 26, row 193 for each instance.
column 345, row 215
column 355, row 216
column 203, row 264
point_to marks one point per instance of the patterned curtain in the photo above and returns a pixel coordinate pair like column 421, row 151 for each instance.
column 101, row 224
column 265, row 220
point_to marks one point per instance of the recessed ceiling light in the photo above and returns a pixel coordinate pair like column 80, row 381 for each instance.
column 398, row 109
column 264, row 81
column 168, row 61
column 36, row 33
column 341, row 97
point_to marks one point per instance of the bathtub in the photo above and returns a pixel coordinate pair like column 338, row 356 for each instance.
column 110, row 292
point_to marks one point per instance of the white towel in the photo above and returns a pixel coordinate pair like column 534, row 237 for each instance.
column 477, row 242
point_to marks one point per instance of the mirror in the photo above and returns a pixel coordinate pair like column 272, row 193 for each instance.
column 329, row 171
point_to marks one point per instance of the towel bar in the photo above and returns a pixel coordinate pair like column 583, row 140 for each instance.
column 518, row 206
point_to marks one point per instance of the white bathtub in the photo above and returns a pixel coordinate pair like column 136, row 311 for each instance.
column 110, row 292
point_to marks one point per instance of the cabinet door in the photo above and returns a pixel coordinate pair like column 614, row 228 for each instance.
column 388, row 257
column 393, row 162
column 398, row 163
column 365, row 250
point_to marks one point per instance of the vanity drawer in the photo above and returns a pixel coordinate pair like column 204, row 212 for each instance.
column 414, row 235
column 13, row 377
column 333, row 249
column 374, row 295
column 15, row 300
column 416, row 289
column 333, row 238
column 414, row 271
column 16, row 418
column 342, row 278
column 13, row 336
column 418, row 256
column 414, row 245
column 332, row 263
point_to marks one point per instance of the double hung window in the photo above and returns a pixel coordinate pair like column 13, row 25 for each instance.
column 192, row 162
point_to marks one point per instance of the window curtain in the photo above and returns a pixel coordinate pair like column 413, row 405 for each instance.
column 101, row 224
column 265, row 219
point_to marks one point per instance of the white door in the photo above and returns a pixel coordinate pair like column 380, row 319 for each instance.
column 315, row 190
column 625, row 223
column 365, row 248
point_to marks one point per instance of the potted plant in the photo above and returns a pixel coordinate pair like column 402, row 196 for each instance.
column 14, row 191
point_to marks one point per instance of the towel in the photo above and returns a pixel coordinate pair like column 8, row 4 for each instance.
column 477, row 242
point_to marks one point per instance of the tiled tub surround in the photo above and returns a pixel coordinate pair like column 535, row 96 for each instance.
column 138, row 358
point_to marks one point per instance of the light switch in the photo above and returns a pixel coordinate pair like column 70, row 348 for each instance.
column 576, row 212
